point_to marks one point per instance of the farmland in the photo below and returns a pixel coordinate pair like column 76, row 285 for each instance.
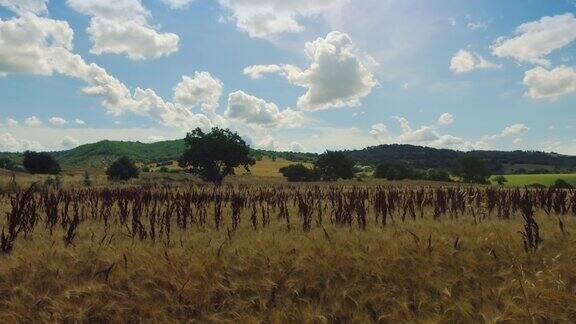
column 544, row 179
column 269, row 252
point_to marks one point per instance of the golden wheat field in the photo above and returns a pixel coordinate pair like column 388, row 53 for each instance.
column 274, row 253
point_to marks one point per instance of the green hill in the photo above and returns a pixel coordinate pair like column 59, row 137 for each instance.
column 105, row 152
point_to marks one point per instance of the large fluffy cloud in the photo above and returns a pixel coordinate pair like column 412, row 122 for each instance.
column 121, row 27
column 550, row 84
column 534, row 41
column 336, row 76
column 465, row 61
column 42, row 46
column 256, row 111
column 268, row 18
column 25, row 6
column 202, row 90
column 31, row 44
column 516, row 131
column 50, row 43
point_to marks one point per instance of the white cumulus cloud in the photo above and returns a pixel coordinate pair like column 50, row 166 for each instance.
column 33, row 121
column 121, row 27
column 69, row 142
column 379, row 132
column 12, row 122
column 446, row 119
column 20, row 7
column 32, row 44
column 202, row 90
column 516, row 130
column 266, row 19
column 256, row 111
column 336, row 76
column 550, row 84
column 465, row 61
column 429, row 135
column 9, row 143
column 534, row 41
column 57, row 121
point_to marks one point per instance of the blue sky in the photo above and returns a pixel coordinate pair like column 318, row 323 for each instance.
column 290, row 75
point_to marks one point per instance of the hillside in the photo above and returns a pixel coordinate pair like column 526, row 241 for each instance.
column 498, row 161
column 103, row 153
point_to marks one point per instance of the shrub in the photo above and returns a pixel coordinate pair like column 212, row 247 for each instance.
column 40, row 163
column 54, row 182
column 562, row 184
column 8, row 164
column 299, row 173
column 500, row 180
column 392, row 171
column 437, row 175
column 87, row 182
column 122, row 170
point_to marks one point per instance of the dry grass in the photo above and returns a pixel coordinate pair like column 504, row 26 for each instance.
column 424, row 270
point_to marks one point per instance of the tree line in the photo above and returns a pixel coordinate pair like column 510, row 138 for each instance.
column 214, row 155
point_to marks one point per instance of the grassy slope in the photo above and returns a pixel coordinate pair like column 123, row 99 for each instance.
column 105, row 152
column 545, row 179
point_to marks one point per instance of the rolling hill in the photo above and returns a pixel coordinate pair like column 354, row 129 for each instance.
column 101, row 154
column 431, row 158
column 105, row 152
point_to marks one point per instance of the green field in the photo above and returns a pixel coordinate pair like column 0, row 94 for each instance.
column 545, row 179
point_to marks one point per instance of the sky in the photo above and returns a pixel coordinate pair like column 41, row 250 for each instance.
column 294, row 75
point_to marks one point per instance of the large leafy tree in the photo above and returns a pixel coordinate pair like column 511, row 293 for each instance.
column 122, row 170
column 214, row 155
column 472, row 170
column 334, row 165
column 40, row 163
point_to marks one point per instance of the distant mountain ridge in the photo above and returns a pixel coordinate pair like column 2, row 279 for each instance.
column 103, row 153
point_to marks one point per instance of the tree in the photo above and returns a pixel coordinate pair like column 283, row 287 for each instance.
column 40, row 163
column 213, row 156
column 334, row 165
column 437, row 175
column 122, row 170
column 500, row 180
column 472, row 170
column 8, row 164
column 562, row 184
column 392, row 171
column 299, row 173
